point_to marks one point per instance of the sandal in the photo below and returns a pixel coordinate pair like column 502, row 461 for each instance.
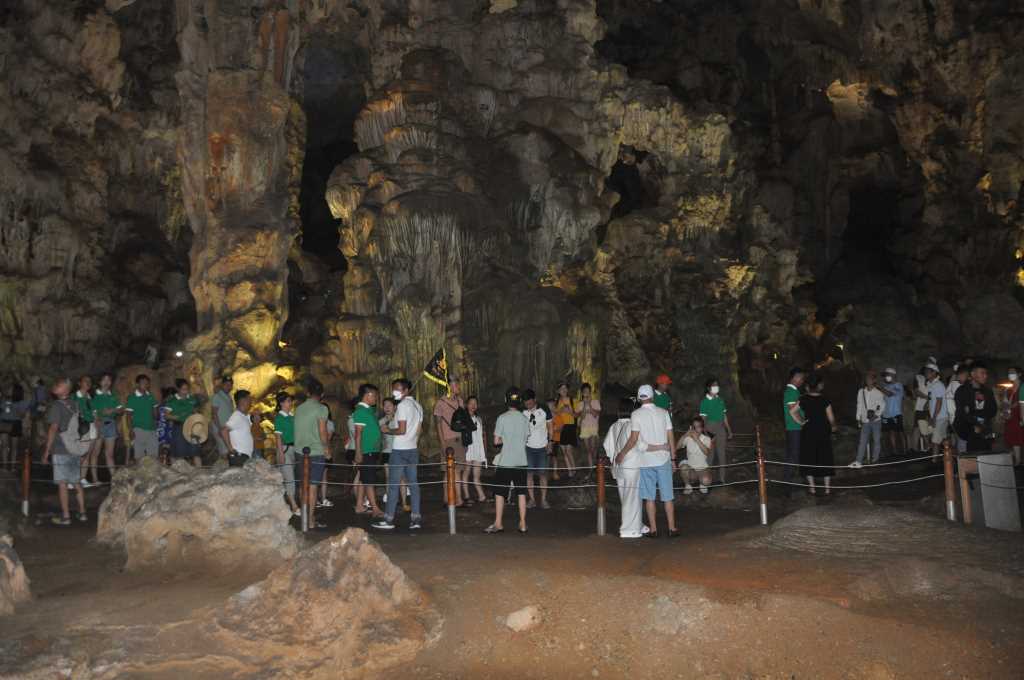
column 522, row 530
column 494, row 530
column 651, row 534
column 674, row 533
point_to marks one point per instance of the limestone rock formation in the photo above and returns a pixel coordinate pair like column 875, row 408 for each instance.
column 14, row 584
column 339, row 609
column 187, row 517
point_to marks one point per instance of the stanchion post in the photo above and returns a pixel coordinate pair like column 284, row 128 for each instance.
column 947, row 469
column 450, row 477
column 600, row 496
column 762, row 479
column 26, row 480
column 305, row 489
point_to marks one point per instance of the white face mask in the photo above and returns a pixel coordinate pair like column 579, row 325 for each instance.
column 397, row 394
column 715, row 389
column 1012, row 377
column 888, row 378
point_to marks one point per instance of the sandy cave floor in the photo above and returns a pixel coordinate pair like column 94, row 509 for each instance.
column 707, row 605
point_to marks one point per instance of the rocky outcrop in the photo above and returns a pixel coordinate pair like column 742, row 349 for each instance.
column 14, row 584
column 180, row 516
column 339, row 609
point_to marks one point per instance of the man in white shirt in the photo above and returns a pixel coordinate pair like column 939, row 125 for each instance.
column 405, row 455
column 870, row 406
column 538, row 447
column 237, row 431
column 626, row 474
column 653, row 426
column 938, row 417
column 960, row 376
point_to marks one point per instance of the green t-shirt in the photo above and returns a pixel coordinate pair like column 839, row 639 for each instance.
column 367, row 417
column 104, row 404
column 85, row 410
column 307, row 427
column 663, row 400
column 712, row 409
column 181, row 407
column 141, row 407
column 284, row 425
column 791, row 395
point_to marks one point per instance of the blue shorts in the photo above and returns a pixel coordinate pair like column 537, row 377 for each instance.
column 655, row 479
column 536, row 459
column 108, row 429
column 317, row 466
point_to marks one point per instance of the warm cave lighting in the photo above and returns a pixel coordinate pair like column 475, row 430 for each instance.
column 841, row 346
column 179, row 354
column 775, row 356
column 282, row 344
column 1005, row 385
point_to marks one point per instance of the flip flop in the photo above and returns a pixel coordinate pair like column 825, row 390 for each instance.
column 493, row 530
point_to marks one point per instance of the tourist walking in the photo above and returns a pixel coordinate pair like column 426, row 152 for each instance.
column 222, row 407
column 313, row 439
column 696, row 444
column 975, row 409
column 237, row 430
column 62, row 420
column 540, row 431
column 108, row 408
column 14, row 424
column 510, row 433
column 588, row 413
column 367, row 443
column 447, row 436
column 816, row 457
column 870, row 405
column 476, row 452
column 627, row 472
column 405, row 456
column 794, row 420
column 892, row 415
column 652, row 425
column 141, row 407
column 284, row 437
column 180, row 406
column 565, row 433
column 716, row 424
column 1013, row 430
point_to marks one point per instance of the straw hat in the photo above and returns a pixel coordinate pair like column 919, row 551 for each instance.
column 196, row 428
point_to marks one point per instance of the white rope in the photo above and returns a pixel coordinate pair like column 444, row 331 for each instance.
column 842, row 467
column 858, row 486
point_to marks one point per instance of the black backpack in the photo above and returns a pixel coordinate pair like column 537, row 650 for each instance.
column 463, row 423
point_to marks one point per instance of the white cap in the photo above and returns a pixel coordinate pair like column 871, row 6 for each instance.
column 645, row 392
column 889, row 371
column 933, row 366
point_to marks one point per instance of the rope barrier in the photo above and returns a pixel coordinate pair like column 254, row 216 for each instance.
column 844, row 467
column 859, row 486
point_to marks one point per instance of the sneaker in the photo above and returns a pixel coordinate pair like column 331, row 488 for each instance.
column 366, row 503
column 688, row 490
column 85, row 483
column 703, row 489
column 414, row 524
column 327, row 503
column 61, row 521
column 384, row 499
column 82, row 517
column 383, row 524
column 855, row 465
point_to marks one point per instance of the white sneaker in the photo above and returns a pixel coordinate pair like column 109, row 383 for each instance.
column 855, row 465
column 366, row 503
column 703, row 489
column 328, row 503
column 384, row 498
column 688, row 490
column 415, row 524
column 85, row 483
column 384, row 524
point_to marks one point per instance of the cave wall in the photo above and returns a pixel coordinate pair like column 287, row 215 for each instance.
column 592, row 190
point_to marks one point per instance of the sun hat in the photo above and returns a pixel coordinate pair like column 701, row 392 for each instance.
column 196, row 428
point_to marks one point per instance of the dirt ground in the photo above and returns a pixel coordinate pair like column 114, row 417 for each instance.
column 711, row 604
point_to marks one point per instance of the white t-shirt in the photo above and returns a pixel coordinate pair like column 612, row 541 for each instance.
column 936, row 391
column 919, row 384
column 653, row 424
column 695, row 457
column 949, row 405
column 240, row 433
column 476, row 452
column 387, row 441
column 537, row 420
column 615, row 439
column 411, row 412
column 870, row 400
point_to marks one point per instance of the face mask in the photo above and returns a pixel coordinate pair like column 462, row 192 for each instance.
column 397, row 395
column 1012, row 377
column 888, row 378
column 714, row 389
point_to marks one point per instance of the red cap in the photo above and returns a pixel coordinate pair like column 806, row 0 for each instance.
column 663, row 380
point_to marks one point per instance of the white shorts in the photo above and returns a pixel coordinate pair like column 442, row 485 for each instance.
column 696, row 460
column 939, row 433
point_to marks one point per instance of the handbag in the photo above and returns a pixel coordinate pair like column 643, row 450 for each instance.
column 871, row 415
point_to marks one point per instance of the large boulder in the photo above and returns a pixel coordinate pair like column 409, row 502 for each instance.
column 14, row 585
column 184, row 516
column 341, row 609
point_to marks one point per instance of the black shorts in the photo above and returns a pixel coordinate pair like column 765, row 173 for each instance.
column 894, row 424
column 350, row 456
column 368, row 468
column 510, row 481
column 568, row 436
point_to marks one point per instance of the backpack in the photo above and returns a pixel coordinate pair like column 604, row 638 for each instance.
column 463, row 423
column 75, row 442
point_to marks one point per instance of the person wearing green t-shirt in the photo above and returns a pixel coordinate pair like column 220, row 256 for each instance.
column 284, row 434
column 311, row 438
column 794, row 418
column 367, row 445
column 180, row 406
column 141, row 409
column 716, row 423
column 662, row 399
column 108, row 409
column 83, row 399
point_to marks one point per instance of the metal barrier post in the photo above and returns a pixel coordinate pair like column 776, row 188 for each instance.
column 947, row 469
column 305, row 489
column 450, row 477
column 762, row 479
column 26, row 480
column 600, row 496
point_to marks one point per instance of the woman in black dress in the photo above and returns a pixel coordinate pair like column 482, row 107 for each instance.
column 816, row 436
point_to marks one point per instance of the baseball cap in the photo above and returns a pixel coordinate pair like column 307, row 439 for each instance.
column 663, row 379
column 889, row 371
column 933, row 366
column 645, row 392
